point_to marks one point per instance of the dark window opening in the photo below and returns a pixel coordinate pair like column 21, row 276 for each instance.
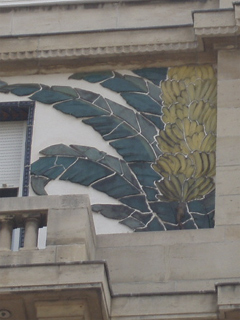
column 8, row 192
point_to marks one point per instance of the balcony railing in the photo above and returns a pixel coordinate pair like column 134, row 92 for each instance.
column 31, row 222
column 68, row 220
column 62, row 281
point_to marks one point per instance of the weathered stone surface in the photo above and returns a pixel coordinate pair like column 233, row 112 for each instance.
column 228, row 180
column 225, row 4
column 227, row 209
column 227, row 122
column 228, row 96
column 213, row 19
column 228, row 66
column 62, row 310
column 228, row 151
column 106, row 16
column 193, row 305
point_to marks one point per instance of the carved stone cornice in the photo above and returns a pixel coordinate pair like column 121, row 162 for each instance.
column 98, row 51
column 213, row 31
column 218, row 23
column 64, row 33
column 98, row 44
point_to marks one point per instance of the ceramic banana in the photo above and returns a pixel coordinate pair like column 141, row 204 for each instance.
column 188, row 141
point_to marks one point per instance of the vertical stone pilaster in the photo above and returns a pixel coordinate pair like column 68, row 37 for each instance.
column 6, row 228
column 228, row 139
column 31, row 232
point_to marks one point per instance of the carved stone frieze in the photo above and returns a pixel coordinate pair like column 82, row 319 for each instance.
column 97, row 51
column 211, row 31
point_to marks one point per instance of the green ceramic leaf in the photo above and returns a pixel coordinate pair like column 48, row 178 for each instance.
column 23, row 89
column 142, row 103
column 92, row 76
column 154, row 225
column 65, row 90
column 80, row 108
column 153, row 74
column 113, row 211
column 49, row 96
column 88, row 166
column 129, row 217
column 125, row 84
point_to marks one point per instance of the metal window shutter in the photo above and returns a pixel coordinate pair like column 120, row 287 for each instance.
column 12, row 145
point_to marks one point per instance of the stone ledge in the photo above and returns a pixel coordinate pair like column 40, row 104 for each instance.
column 229, row 300
column 173, row 306
column 29, row 285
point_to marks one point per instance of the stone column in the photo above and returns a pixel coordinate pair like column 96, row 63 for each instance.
column 6, row 227
column 228, row 140
column 31, row 232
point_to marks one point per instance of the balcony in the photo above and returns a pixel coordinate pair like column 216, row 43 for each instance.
column 62, row 281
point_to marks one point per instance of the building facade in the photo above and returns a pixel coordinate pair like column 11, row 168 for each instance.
column 134, row 103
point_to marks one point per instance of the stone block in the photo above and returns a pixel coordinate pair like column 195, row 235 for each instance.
column 203, row 261
column 144, row 287
column 228, row 122
column 195, row 306
column 14, row 45
column 228, row 94
column 157, row 238
column 232, row 232
column 228, row 180
column 70, row 226
column 132, row 16
column 228, row 151
column 28, row 257
column 62, row 18
column 227, row 210
column 214, row 19
column 70, row 253
column 76, row 309
column 5, row 22
column 228, row 64
column 135, row 264
column 44, row 203
column 191, row 286
column 228, row 294
column 52, row 274
column 226, row 3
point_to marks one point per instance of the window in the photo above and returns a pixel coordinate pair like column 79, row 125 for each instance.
column 16, row 119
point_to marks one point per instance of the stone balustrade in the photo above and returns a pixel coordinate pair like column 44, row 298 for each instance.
column 70, row 229
column 30, row 221
column 61, row 281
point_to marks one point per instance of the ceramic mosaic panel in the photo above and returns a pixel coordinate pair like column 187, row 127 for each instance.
column 165, row 135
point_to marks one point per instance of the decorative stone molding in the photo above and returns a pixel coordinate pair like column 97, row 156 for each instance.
column 66, row 38
column 215, row 22
column 220, row 31
column 119, row 29
column 98, row 51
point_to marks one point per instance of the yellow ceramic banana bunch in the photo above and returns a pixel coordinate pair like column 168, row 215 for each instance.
column 204, row 164
column 174, row 188
column 204, row 113
column 202, row 72
column 169, row 164
column 188, row 141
